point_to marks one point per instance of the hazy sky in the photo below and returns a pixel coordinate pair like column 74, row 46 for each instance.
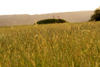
column 45, row 6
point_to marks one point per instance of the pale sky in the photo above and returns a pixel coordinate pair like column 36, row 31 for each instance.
column 45, row 6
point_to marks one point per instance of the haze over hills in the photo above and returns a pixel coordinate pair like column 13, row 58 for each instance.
column 78, row 16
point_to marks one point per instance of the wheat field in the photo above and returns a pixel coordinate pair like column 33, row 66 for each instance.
column 50, row 45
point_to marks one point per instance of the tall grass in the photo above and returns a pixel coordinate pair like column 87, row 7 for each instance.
column 51, row 45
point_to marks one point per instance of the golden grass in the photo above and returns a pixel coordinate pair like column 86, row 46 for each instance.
column 51, row 45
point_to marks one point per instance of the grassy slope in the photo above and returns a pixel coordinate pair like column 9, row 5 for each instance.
column 51, row 45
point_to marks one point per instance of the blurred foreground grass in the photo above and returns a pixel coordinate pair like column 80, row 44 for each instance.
column 51, row 45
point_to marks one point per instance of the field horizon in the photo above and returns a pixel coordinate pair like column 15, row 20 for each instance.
column 25, row 19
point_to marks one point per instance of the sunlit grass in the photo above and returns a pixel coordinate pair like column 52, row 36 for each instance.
column 51, row 45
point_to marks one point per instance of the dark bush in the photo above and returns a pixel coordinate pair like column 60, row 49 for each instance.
column 47, row 21
column 96, row 15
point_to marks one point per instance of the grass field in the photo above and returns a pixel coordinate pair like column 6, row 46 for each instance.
column 51, row 45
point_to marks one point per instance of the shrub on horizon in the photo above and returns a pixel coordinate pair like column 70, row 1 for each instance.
column 96, row 15
column 48, row 21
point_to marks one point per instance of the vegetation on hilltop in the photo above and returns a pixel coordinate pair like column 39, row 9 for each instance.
column 47, row 21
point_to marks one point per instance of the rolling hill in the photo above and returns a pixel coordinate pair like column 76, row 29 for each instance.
column 78, row 16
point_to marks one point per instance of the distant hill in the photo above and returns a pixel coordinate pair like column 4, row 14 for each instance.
column 78, row 16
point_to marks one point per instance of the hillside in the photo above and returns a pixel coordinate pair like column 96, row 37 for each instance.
column 79, row 16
